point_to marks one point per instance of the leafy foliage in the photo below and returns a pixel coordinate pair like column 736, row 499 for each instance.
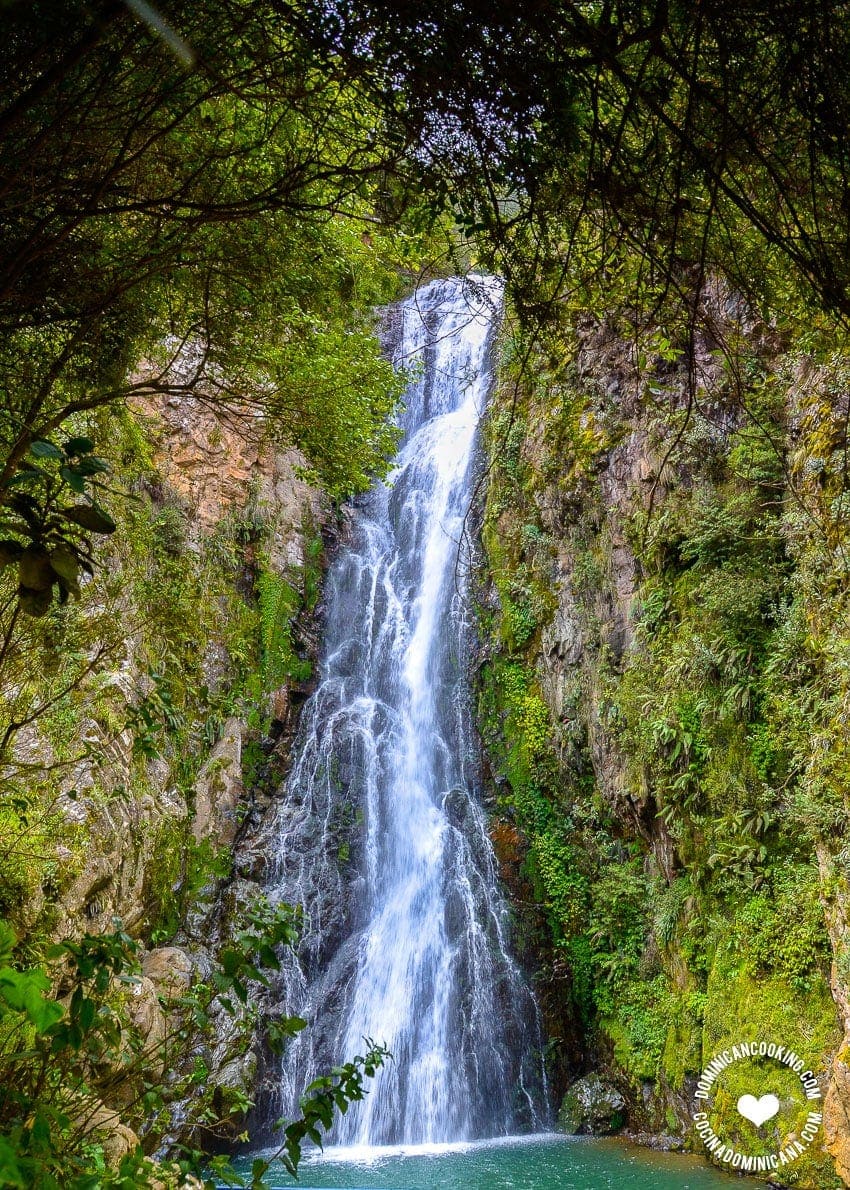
column 51, row 544
column 639, row 139
column 60, row 1053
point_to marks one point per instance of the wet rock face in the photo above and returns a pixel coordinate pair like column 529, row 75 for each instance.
column 592, row 1107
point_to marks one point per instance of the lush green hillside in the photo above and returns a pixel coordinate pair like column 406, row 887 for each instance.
column 663, row 694
column 201, row 211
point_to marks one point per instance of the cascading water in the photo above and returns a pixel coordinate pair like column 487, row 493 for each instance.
column 380, row 833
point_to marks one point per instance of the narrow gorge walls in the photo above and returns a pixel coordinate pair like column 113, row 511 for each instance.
column 144, row 776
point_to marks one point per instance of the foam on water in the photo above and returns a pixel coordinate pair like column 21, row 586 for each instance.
column 373, row 1154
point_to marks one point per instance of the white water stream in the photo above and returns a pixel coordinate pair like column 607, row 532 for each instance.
column 381, row 836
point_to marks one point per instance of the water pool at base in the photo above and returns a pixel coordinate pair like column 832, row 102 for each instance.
column 524, row 1163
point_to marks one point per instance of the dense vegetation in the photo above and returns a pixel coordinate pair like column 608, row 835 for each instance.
column 206, row 206
column 670, row 746
column 179, row 224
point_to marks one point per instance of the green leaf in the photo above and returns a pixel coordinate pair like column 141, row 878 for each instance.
column 65, row 565
column 34, row 569
column 42, row 449
column 88, row 1010
column 24, row 992
column 90, row 516
column 27, row 475
column 11, row 1174
column 74, row 481
column 40, row 1132
column 78, row 446
column 90, row 465
column 43, row 1013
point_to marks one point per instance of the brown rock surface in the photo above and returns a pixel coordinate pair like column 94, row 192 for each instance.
column 836, row 1114
column 218, row 461
column 218, row 789
column 170, row 970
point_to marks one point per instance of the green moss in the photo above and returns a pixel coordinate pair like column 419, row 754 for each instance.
column 740, row 1008
column 682, row 1056
column 516, row 725
column 637, row 1026
column 781, row 931
column 180, row 873
column 738, row 1005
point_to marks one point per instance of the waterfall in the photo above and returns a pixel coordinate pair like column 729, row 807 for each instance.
column 380, row 834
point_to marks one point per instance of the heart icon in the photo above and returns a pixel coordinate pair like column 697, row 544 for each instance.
column 758, row 1110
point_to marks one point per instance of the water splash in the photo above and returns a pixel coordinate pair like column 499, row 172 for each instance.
column 380, row 834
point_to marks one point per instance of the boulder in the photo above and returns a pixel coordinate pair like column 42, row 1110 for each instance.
column 104, row 1125
column 592, row 1106
column 146, row 1016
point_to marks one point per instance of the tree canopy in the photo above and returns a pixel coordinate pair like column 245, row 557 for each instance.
column 568, row 131
column 169, row 227
column 166, row 188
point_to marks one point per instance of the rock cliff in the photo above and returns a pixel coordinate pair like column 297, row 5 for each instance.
column 659, row 691
column 215, row 573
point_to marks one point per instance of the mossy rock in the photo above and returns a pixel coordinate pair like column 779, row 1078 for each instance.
column 592, row 1106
